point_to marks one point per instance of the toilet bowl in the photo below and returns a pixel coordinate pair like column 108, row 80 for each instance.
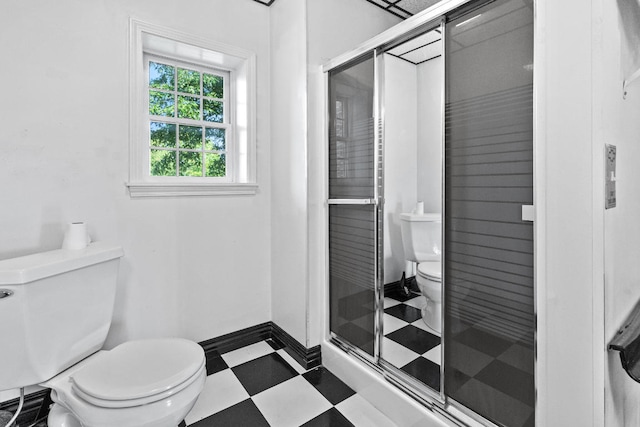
column 429, row 279
column 60, row 305
column 421, row 235
column 141, row 383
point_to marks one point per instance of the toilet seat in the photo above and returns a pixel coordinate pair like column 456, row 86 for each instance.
column 139, row 372
column 431, row 270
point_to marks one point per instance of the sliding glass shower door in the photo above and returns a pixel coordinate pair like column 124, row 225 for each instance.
column 353, row 205
column 485, row 369
column 489, row 286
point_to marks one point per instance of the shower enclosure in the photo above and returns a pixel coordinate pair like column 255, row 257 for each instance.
column 439, row 109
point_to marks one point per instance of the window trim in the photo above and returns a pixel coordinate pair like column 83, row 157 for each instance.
column 149, row 39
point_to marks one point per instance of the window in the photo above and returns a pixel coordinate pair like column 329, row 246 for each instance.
column 192, row 115
column 342, row 127
column 188, row 119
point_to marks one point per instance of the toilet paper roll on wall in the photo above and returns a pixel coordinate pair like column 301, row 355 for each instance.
column 76, row 237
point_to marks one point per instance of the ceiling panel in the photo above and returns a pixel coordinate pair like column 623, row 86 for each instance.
column 415, row 43
column 401, row 8
column 419, row 49
column 415, row 6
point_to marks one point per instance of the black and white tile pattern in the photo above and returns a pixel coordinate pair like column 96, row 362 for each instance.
column 261, row 385
column 408, row 343
column 477, row 361
column 497, row 368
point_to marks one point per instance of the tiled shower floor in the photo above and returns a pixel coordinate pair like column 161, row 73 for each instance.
column 412, row 347
column 408, row 343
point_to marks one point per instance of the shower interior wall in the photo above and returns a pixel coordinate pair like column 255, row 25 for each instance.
column 413, row 149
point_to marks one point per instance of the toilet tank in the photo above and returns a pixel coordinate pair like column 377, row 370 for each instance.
column 55, row 310
column 421, row 236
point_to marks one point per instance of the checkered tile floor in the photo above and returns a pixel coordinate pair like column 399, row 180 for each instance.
column 261, row 385
column 491, row 374
column 479, row 364
column 408, row 343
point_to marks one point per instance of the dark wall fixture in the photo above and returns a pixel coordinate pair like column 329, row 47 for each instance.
column 627, row 342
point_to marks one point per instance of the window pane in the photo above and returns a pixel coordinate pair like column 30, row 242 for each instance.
column 215, row 164
column 163, row 163
column 352, row 162
column 188, row 81
column 190, row 163
column 188, row 107
column 161, row 76
column 213, row 86
column 339, row 128
column 161, row 104
column 162, row 134
column 191, row 137
column 214, row 139
column 212, row 111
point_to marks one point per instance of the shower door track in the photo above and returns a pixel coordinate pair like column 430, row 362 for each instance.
column 423, row 395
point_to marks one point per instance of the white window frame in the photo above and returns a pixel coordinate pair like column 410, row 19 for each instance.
column 156, row 41
column 228, row 114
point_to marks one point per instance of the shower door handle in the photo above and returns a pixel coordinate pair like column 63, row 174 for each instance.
column 528, row 213
column 352, row 201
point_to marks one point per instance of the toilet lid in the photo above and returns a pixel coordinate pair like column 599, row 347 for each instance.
column 138, row 369
column 431, row 270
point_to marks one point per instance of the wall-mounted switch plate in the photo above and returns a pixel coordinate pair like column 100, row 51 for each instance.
column 610, row 177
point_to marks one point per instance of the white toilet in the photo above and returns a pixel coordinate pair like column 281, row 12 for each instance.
column 59, row 305
column 421, row 237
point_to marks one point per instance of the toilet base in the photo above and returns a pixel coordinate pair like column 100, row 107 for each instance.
column 60, row 417
column 432, row 315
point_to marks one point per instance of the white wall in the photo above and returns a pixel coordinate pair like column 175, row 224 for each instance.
column 289, row 276
column 430, row 92
column 568, row 221
column 193, row 267
column 619, row 125
column 400, row 154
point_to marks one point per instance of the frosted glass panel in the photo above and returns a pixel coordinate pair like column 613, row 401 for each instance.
column 352, row 274
column 489, row 287
column 352, row 226
column 351, row 132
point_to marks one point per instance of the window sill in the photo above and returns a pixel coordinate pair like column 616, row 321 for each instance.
column 148, row 189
